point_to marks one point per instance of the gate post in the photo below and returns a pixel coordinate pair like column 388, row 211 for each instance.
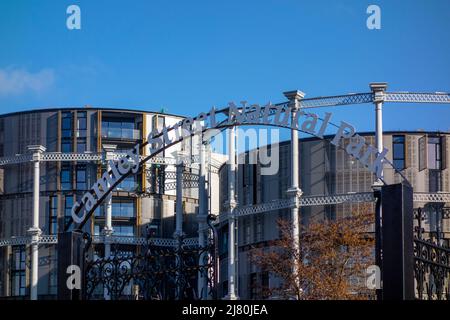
column 70, row 251
column 35, row 231
column 397, row 268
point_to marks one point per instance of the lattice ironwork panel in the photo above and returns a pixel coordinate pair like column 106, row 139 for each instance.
column 58, row 156
column 264, row 207
column 186, row 185
column 4, row 161
column 190, row 242
column 417, row 97
column 306, row 201
column 15, row 241
column 48, row 239
column 431, row 197
column 348, row 99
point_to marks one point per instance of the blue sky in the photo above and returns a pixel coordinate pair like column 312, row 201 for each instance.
column 187, row 56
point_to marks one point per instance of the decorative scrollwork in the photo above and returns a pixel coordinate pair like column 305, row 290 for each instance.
column 156, row 273
column 431, row 263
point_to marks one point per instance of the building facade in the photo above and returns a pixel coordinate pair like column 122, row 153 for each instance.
column 78, row 141
column 325, row 170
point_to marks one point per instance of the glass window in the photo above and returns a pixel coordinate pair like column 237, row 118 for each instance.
column 123, row 230
column 66, row 178
column 434, row 181
column 66, row 125
column 97, row 229
column 259, row 228
column 66, row 132
column 53, row 215
column 398, row 147
column 81, row 124
column 81, row 145
column 81, row 178
column 18, row 267
column 68, row 203
column 123, row 208
column 119, row 129
column 127, row 184
column 98, row 211
column 66, row 146
column 434, row 153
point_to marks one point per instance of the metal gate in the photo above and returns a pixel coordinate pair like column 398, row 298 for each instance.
column 431, row 254
column 412, row 251
column 154, row 273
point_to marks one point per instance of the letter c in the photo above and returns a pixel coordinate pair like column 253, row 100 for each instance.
column 75, row 217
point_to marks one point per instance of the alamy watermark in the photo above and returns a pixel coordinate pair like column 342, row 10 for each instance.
column 374, row 20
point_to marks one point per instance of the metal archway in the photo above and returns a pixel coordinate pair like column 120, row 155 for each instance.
column 327, row 101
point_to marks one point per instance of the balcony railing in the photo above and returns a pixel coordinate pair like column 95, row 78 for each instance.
column 121, row 133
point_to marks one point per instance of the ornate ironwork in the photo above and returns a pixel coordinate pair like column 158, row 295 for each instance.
column 417, row 97
column 348, row 99
column 157, row 273
column 431, row 262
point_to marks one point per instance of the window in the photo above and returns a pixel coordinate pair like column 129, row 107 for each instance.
column 66, row 125
column 259, row 229
column 81, row 177
column 68, row 203
column 97, row 229
column 81, row 131
column 123, row 208
column 247, row 232
column 66, row 146
column 53, row 215
column 127, row 184
column 434, row 153
column 66, row 132
column 398, row 147
column 434, row 181
column 18, row 277
column 124, row 230
column 81, row 124
column 66, row 177
column 81, row 145
column 119, row 128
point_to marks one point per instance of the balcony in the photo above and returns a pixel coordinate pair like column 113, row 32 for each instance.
column 121, row 134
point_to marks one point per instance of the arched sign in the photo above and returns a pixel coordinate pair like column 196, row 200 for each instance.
column 279, row 115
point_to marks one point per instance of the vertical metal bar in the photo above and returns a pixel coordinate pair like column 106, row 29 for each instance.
column 232, row 294
column 294, row 191
column 35, row 231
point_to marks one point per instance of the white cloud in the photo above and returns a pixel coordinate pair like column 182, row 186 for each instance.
column 20, row 81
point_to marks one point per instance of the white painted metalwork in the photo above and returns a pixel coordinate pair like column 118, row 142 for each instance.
column 417, row 97
column 15, row 241
column 48, row 239
column 99, row 239
column 431, row 197
column 20, row 158
column 264, row 207
column 69, row 156
column 347, row 99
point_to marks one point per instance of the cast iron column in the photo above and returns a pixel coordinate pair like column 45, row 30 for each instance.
column 35, row 231
column 294, row 191
column 202, row 214
column 108, row 229
column 231, row 205
column 378, row 90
